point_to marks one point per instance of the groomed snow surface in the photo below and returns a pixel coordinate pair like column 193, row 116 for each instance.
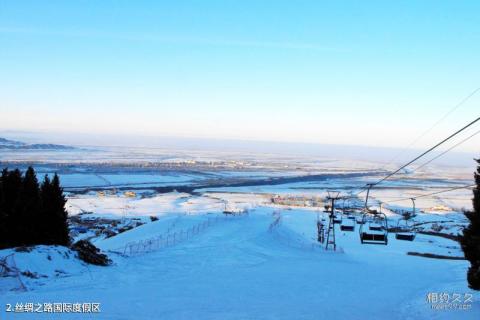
column 243, row 268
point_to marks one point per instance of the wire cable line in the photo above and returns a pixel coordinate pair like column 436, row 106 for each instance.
column 458, row 105
column 426, row 152
column 371, row 185
column 433, row 193
column 449, row 149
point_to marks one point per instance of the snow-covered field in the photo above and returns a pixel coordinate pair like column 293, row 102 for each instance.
column 262, row 264
column 241, row 268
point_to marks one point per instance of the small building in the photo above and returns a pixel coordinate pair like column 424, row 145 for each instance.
column 129, row 194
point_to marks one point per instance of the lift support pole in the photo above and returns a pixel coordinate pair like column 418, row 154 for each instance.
column 332, row 196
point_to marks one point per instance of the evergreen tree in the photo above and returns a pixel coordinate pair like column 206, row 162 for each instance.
column 30, row 209
column 62, row 214
column 470, row 241
column 12, row 187
column 61, row 230
column 30, row 214
column 3, row 213
column 46, row 220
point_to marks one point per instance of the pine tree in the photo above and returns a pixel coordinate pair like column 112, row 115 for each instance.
column 12, row 186
column 3, row 213
column 46, row 220
column 470, row 241
column 61, row 230
column 30, row 214
column 31, row 208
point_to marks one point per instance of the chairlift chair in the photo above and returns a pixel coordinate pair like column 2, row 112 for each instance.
column 347, row 225
column 374, row 227
column 337, row 218
column 359, row 220
column 405, row 228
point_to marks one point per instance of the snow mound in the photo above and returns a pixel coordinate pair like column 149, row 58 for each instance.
column 35, row 265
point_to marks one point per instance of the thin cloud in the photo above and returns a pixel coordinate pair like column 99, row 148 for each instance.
column 170, row 40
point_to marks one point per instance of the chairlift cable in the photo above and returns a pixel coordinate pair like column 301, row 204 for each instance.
column 421, row 155
column 449, row 149
column 433, row 193
column 428, row 151
column 458, row 105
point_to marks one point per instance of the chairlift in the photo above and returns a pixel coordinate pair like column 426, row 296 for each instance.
column 359, row 220
column 346, row 222
column 373, row 228
column 405, row 228
column 347, row 225
column 337, row 218
column 356, row 216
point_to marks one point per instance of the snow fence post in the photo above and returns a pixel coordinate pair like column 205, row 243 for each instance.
column 22, row 285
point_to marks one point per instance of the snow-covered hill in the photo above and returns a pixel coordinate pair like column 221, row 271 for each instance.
column 245, row 269
column 18, row 145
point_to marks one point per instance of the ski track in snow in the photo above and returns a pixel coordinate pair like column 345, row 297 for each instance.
column 238, row 269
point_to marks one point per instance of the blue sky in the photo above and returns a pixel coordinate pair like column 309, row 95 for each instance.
column 350, row 72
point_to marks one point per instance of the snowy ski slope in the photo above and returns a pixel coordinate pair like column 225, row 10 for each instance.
column 242, row 269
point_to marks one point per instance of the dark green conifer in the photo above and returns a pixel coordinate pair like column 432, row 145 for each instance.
column 470, row 241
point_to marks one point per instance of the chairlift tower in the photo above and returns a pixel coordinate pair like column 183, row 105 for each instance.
column 332, row 196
